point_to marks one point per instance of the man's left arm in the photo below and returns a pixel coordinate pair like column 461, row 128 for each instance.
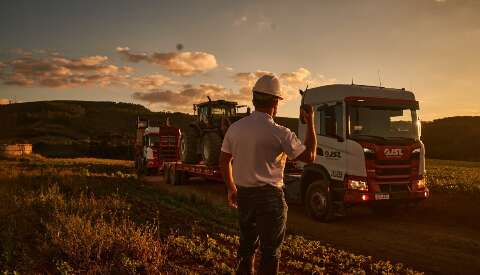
column 225, row 162
column 226, row 169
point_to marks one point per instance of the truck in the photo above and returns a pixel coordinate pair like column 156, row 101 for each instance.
column 369, row 152
column 154, row 145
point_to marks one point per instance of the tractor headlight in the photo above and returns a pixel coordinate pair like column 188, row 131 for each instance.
column 355, row 184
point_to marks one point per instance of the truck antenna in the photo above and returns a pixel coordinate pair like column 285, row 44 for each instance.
column 379, row 79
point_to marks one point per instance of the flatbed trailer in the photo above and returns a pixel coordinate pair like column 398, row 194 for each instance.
column 177, row 173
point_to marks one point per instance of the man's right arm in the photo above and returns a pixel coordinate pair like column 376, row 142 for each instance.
column 310, row 142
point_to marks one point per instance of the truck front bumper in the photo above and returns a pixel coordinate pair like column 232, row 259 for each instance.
column 352, row 197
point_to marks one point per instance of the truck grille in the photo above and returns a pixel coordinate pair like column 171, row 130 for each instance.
column 392, row 170
column 393, row 187
column 168, row 148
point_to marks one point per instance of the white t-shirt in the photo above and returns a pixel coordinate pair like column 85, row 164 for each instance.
column 260, row 148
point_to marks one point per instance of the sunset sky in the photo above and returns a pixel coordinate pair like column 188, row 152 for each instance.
column 168, row 55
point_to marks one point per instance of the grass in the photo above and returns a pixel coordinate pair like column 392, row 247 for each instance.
column 95, row 216
column 453, row 176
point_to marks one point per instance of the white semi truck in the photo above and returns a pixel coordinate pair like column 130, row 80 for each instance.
column 369, row 150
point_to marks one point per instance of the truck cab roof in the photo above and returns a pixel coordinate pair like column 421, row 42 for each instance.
column 339, row 92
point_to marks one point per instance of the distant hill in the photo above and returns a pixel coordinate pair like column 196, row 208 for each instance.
column 107, row 129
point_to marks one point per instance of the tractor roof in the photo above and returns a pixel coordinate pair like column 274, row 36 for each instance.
column 338, row 92
column 218, row 103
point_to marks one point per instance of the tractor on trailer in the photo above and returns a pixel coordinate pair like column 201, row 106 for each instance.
column 369, row 152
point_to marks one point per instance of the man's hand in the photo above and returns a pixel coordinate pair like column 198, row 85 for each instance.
column 226, row 168
column 232, row 198
column 306, row 113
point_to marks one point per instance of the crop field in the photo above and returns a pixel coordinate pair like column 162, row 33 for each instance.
column 95, row 216
column 453, row 176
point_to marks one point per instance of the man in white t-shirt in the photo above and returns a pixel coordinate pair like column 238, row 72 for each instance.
column 254, row 152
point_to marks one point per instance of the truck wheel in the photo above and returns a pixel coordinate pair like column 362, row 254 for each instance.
column 212, row 143
column 188, row 147
column 318, row 201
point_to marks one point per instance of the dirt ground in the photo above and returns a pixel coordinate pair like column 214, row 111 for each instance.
column 440, row 236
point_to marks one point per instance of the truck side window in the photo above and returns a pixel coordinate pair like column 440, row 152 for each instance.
column 331, row 121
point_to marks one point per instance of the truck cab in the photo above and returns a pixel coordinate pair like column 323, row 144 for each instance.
column 368, row 149
column 155, row 143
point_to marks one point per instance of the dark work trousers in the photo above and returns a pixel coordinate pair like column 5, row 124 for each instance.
column 262, row 219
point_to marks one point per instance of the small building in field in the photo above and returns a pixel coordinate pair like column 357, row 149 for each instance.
column 15, row 150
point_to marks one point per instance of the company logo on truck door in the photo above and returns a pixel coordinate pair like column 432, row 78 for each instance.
column 393, row 152
column 332, row 154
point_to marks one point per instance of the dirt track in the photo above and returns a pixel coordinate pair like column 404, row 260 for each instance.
column 441, row 236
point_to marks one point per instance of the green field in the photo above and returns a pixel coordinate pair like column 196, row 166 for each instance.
column 95, row 216
column 453, row 176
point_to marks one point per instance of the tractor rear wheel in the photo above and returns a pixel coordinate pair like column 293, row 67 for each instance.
column 212, row 143
column 188, row 147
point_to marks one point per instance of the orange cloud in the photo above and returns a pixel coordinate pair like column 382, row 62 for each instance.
column 291, row 81
column 58, row 71
column 179, row 63
column 183, row 99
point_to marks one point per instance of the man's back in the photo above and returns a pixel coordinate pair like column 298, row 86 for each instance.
column 259, row 148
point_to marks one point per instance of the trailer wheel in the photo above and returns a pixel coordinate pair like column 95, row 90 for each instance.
column 189, row 146
column 166, row 169
column 176, row 177
column 318, row 201
column 212, row 143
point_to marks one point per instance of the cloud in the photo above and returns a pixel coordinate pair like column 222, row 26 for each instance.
column 291, row 81
column 179, row 63
column 297, row 77
column 182, row 100
column 240, row 21
column 59, row 71
column 150, row 82
column 230, row 69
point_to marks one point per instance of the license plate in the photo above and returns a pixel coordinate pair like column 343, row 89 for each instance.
column 382, row 196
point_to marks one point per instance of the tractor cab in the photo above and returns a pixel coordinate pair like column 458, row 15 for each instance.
column 211, row 113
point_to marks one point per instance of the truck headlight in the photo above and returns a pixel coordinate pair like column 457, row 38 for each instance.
column 416, row 153
column 369, row 153
column 355, row 184
column 420, row 184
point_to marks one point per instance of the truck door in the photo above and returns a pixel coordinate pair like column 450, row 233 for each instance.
column 331, row 145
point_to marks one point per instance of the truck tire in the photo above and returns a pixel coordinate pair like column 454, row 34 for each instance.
column 318, row 201
column 188, row 147
column 212, row 143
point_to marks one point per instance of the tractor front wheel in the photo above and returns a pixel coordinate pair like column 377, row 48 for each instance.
column 189, row 146
column 212, row 143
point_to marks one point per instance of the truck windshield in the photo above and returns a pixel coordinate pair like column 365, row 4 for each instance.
column 153, row 140
column 382, row 122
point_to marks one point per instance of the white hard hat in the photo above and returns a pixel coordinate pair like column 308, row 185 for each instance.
column 268, row 84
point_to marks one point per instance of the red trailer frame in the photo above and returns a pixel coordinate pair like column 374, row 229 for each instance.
column 177, row 173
